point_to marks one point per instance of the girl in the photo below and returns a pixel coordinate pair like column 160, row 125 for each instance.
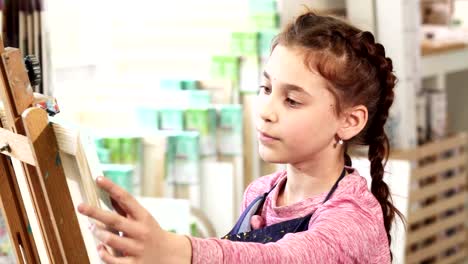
column 327, row 86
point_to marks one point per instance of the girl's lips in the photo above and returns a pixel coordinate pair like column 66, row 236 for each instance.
column 264, row 137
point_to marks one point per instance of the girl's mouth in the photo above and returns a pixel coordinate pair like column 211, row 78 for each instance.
column 266, row 138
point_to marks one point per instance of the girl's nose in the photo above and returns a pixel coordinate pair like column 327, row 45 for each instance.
column 267, row 111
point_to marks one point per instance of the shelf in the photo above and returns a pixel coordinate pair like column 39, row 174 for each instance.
column 429, row 48
column 444, row 59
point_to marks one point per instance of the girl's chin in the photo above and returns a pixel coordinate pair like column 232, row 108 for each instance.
column 271, row 157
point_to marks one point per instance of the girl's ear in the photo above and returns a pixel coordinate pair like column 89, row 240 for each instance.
column 353, row 120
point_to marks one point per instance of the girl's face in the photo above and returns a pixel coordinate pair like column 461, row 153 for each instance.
column 296, row 118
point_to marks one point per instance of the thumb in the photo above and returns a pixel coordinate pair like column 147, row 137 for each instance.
column 257, row 222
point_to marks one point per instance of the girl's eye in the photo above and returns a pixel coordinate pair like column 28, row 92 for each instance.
column 265, row 89
column 292, row 103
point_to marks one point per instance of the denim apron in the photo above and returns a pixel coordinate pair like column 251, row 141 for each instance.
column 242, row 230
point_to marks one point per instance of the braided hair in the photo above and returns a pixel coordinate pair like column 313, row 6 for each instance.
column 358, row 73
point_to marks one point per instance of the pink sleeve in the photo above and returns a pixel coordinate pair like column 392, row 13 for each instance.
column 343, row 234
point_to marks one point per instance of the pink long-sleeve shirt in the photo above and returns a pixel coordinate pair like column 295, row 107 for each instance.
column 348, row 228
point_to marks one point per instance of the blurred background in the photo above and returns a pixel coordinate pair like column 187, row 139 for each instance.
column 166, row 90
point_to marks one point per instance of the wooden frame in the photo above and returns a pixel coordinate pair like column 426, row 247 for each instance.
column 47, row 175
column 81, row 167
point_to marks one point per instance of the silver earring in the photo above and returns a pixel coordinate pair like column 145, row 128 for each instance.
column 340, row 141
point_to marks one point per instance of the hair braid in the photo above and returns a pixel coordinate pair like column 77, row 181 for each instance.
column 376, row 137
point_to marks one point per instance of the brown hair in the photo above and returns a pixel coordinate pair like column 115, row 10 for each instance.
column 358, row 73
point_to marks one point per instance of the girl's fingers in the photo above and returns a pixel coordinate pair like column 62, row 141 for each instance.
column 126, row 202
column 109, row 259
column 118, row 208
column 111, row 220
column 123, row 244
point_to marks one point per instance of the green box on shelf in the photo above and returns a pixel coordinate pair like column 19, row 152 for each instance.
column 230, row 133
column 171, row 118
column 99, row 142
column 244, row 43
column 187, row 165
column 268, row 20
column 130, row 149
column 171, row 84
column 225, row 67
column 171, row 146
column 266, row 37
column 120, row 149
column 148, row 118
column 236, row 43
column 120, row 174
column 190, row 85
column 103, row 155
column 250, row 44
column 231, row 117
column 199, row 98
column 203, row 120
column 113, row 145
column 260, row 6
column 187, row 146
column 183, row 157
column 217, row 67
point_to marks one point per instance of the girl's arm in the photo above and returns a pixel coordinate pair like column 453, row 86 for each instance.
column 344, row 233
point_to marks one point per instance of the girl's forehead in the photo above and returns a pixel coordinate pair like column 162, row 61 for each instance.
column 288, row 64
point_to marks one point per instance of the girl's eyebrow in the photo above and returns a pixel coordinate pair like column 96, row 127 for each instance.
column 288, row 86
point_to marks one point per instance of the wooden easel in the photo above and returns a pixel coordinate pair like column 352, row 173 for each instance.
column 27, row 136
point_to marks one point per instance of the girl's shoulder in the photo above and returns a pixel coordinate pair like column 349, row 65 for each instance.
column 353, row 183
column 355, row 187
column 354, row 195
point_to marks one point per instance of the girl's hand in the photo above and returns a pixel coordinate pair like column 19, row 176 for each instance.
column 143, row 240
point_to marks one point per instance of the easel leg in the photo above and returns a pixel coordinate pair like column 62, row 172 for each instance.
column 15, row 215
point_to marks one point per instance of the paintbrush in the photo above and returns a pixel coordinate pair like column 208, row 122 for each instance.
column 37, row 13
column 23, row 27
column 44, row 51
column 29, row 26
column 11, row 23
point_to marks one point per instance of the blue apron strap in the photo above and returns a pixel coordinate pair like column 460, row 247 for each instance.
column 243, row 224
column 333, row 189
